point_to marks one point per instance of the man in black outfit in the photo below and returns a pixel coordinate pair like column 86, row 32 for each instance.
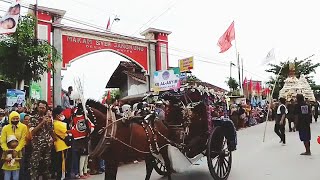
column 279, row 127
column 303, row 119
column 316, row 111
column 290, row 115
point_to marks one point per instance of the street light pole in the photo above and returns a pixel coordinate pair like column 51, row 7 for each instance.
column 115, row 19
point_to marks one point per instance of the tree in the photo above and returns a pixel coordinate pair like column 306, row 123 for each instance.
column 232, row 83
column 22, row 56
column 305, row 67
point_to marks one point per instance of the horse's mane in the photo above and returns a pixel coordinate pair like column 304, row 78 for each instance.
column 97, row 105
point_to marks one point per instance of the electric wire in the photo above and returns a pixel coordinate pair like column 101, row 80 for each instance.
column 155, row 18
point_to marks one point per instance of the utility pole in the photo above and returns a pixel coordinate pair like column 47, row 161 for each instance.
column 230, row 69
column 36, row 22
column 239, row 74
column 242, row 71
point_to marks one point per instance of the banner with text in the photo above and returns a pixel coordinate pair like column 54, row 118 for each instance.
column 9, row 22
column 167, row 79
column 186, row 64
column 15, row 98
column 35, row 91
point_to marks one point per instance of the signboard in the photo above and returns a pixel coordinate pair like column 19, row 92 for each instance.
column 15, row 97
column 166, row 80
column 35, row 91
column 186, row 64
column 241, row 101
column 9, row 22
column 74, row 47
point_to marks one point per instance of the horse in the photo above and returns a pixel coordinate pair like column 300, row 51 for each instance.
column 127, row 137
column 132, row 137
column 188, row 107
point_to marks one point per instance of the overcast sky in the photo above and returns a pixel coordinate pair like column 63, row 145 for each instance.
column 291, row 27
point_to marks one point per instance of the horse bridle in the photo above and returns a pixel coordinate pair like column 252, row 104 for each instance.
column 110, row 135
column 109, row 131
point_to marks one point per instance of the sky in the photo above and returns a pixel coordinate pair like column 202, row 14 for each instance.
column 291, row 27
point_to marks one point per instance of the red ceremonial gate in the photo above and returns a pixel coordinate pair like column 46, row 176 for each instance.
column 85, row 46
column 150, row 53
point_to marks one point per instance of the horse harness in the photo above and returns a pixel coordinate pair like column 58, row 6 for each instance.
column 110, row 131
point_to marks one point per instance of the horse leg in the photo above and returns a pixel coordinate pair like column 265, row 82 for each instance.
column 167, row 163
column 111, row 170
column 149, row 166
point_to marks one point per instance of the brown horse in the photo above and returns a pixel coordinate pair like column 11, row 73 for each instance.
column 128, row 138
column 132, row 138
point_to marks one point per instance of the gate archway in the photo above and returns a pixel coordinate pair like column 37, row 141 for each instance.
column 150, row 53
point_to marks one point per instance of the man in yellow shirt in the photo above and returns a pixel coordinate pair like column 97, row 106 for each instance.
column 60, row 130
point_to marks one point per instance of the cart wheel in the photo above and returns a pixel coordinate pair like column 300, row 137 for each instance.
column 218, row 156
column 159, row 167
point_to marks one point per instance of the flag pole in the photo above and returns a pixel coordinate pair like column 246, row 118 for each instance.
column 237, row 57
column 270, row 98
column 242, row 71
column 248, row 89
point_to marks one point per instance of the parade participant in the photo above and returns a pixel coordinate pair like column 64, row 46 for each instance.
column 315, row 111
column 242, row 116
column 81, row 130
column 67, row 102
column 26, row 154
column 16, row 128
column 20, row 109
column 290, row 115
column 60, row 130
column 303, row 117
column 279, row 127
column 42, row 141
column 68, row 120
column 4, row 120
column 234, row 115
column 11, row 157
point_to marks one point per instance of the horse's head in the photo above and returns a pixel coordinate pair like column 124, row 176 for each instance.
column 79, row 110
column 99, row 111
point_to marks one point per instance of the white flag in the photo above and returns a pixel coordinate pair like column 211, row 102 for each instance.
column 270, row 56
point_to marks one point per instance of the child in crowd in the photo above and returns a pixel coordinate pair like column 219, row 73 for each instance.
column 11, row 165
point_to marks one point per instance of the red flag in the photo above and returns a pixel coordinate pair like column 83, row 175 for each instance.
column 108, row 25
column 245, row 81
column 225, row 40
column 258, row 88
column 104, row 100
column 108, row 96
column 250, row 85
column 266, row 91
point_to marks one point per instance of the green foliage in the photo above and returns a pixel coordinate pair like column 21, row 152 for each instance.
column 192, row 78
column 22, row 56
column 305, row 67
column 232, row 83
column 114, row 94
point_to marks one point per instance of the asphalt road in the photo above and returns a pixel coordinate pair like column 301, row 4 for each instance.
column 254, row 159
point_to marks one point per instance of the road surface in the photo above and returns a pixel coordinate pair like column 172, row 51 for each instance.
column 254, row 160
